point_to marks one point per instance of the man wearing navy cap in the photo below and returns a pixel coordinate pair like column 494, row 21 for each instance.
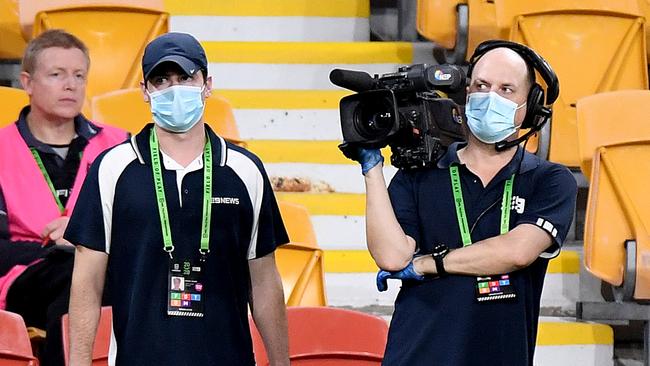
column 152, row 213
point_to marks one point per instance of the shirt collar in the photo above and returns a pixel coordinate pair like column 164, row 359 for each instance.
column 83, row 127
column 529, row 162
column 140, row 143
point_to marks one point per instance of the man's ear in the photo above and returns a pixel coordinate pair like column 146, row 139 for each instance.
column 26, row 82
column 208, row 87
column 145, row 95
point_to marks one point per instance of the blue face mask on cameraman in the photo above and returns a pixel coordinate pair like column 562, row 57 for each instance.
column 491, row 117
column 177, row 108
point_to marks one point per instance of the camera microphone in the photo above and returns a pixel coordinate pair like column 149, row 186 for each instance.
column 357, row 81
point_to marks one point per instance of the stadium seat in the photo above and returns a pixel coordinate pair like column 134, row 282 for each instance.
column 115, row 36
column 300, row 262
column 28, row 9
column 102, row 338
column 594, row 47
column 456, row 26
column 298, row 223
column 12, row 43
column 15, row 349
column 13, row 100
column 324, row 336
column 126, row 109
column 615, row 154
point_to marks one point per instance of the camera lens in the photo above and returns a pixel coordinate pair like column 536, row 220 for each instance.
column 375, row 118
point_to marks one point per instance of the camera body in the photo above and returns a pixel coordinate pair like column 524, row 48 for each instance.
column 410, row 110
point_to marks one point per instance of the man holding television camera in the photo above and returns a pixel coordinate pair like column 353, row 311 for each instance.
column 471, row 237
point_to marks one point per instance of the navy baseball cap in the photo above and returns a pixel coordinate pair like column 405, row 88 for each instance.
column 180, row 48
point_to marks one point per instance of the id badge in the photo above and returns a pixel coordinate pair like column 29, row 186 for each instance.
column 496, row 287
column 185, row 288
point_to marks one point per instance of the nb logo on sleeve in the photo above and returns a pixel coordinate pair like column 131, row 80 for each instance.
column 226, row 200
column 518, row 204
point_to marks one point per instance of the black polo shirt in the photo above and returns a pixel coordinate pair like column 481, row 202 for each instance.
column 117, row 213
column 439, row 321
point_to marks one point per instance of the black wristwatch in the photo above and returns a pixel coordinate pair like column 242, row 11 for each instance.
column 438, row 254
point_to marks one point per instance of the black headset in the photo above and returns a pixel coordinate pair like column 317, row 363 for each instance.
column 538, row 110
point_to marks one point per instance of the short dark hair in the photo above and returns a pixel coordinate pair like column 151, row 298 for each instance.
column 48, row 39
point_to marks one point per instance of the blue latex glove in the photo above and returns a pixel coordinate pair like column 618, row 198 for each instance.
column 408, row 273
column 368, row 158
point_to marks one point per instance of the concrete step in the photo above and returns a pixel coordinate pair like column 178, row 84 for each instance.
column 272, row 20
column 303, row 65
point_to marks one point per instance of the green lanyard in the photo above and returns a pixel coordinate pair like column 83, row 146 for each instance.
column 41, row 166
column 460, row 206
column 162, row 201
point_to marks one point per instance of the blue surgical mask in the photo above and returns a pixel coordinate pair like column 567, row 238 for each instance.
column 491, row 117
column 177, row 108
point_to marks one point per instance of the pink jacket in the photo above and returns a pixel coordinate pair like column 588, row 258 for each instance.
column 29, row 201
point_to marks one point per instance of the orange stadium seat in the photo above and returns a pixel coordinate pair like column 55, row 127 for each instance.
column 594, row 47
column 15, row 349
column 456, row 24
column 12, row 43
column 27, row 9
column 300, row 262
column 126, row 109
column 298, row 223
column 102, row 338
column 116, row 37
column 324, row 336
column 13, row 100
column 615, row 154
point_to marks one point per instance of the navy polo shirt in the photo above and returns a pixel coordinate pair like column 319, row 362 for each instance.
column 117, row 213
column 439, row 321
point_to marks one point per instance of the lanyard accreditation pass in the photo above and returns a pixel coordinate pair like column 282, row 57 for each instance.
column 494, row 287
column 41, row 166
column 185, row 292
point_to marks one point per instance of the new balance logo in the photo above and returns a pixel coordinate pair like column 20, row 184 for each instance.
column 226, row 200
column 518, row 204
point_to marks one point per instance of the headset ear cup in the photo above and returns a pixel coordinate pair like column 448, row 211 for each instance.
column 534, row 105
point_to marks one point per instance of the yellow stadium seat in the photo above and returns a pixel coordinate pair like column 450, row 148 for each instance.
column 300, row 262
column 13, row 100
column 613, row 126
column 115, row 36
column 126, row 109
column 27, row 9
column 298, row 223
column 456, row 24
column 12, row 43
column 593, row 46
column 302, row 273
column 436, row 20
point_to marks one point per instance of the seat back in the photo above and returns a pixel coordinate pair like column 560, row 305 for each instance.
column 302, row 272
column 15, row 348
column 436, row 20
column 298, row 223
column 611, row 118
column 615, row 129
column 126, row 109
column 593, row 48
column 13, row 100
column 29, row 8
column 330, row 336
column 12, row 43
column 116, row 37
column 102, row 338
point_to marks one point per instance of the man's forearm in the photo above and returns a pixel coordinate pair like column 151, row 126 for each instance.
column 500, row 254
column 84, row 309
column 387, row 243
column 268, row 309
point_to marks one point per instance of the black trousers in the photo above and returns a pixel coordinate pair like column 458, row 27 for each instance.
column 41, row 295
